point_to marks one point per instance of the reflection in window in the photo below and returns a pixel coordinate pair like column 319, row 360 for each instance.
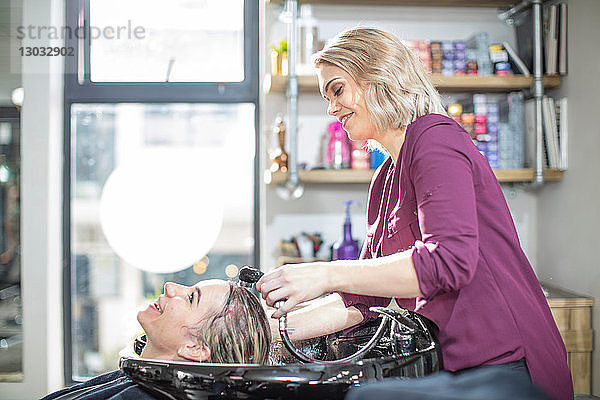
column 188, row 41
column 107, row 292
column 11, row 318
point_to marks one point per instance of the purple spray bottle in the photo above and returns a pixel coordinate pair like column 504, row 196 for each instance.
column 346, row 248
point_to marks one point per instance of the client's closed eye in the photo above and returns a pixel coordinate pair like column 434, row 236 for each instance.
column 194, row 294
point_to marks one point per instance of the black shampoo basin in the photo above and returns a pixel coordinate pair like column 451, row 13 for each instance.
column 407, row 349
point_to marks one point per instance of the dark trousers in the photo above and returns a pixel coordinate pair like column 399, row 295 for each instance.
column 488, row 382
column 519, row 367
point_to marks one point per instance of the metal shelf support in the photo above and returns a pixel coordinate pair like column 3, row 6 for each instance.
column 292, row 188
column 538, row 91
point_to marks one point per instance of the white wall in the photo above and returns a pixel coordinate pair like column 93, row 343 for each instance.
column 569, row 211
column 41, row 210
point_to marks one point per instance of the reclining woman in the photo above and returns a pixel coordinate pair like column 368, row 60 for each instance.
column 213, row 321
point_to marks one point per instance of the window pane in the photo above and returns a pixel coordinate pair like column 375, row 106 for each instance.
column 107, row 292
column 11, row 317
column 148, row 41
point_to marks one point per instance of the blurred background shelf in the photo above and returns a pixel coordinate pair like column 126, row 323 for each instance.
column 526, row 175
column 364, row 176
column 456, row 83
column 327, row 176
column 282, row 260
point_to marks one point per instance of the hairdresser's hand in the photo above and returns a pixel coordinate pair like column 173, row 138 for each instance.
column 295, row 282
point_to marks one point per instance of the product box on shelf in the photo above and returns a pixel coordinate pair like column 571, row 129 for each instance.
column 495, row 123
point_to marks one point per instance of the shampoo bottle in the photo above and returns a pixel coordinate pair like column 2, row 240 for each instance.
column 346, row 248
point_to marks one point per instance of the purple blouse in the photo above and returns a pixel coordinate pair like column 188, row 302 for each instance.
column 443, row 201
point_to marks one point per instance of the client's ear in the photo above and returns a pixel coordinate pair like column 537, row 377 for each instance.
column 194, row 352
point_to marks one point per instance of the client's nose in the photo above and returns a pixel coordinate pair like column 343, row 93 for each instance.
column 173, row 289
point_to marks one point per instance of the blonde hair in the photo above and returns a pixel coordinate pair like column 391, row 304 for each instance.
column 240, row 333
column 396, row 87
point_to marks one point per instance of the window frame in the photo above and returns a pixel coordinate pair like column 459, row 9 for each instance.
column 78, row 88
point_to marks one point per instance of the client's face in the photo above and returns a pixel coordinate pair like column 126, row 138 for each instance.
column 168, row 321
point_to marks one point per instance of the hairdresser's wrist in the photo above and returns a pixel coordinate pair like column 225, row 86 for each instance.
column 334, row 272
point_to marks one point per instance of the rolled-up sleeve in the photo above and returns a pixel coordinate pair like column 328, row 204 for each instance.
column 442, row 174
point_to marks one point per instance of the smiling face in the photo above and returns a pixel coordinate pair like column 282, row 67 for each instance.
column 346, row 101
column 179, row 310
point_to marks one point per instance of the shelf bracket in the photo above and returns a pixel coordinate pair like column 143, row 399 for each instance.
column 509, row 16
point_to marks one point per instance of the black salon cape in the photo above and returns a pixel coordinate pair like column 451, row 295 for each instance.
column 113, row 385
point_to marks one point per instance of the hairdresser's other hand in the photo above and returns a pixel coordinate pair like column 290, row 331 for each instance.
column 274, row 325
column 295, row 282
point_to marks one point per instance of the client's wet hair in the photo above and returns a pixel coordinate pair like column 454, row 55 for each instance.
column 240, row 333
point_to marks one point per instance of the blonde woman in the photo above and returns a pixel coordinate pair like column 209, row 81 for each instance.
column 213, row 321
column 440, row 237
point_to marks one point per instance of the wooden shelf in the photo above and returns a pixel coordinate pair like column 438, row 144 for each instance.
column 491, row 83
column 364, row 176
column 456, row 83
column 526, row 175
column 425, row 3
column 327, row 176
column 281, row 260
